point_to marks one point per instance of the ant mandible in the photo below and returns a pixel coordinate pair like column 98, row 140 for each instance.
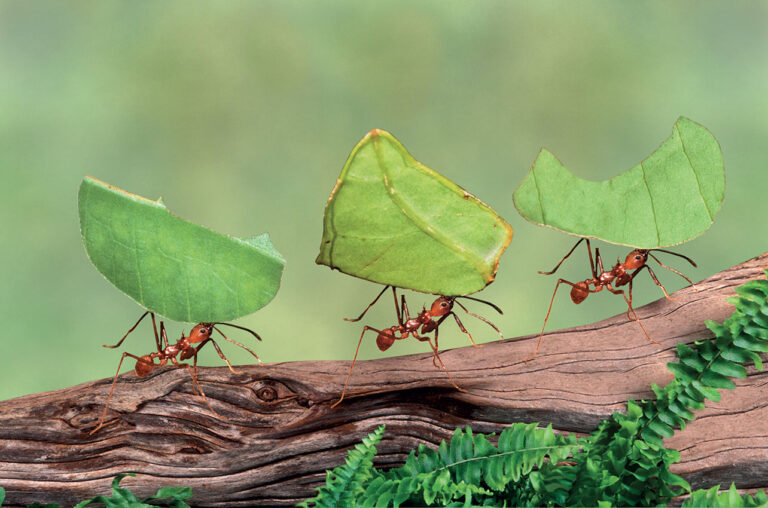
column 615, row 277
column 418, row 327
column 184, row 349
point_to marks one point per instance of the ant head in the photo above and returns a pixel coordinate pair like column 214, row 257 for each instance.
column 200, row 332
column 441, row 306
column 636, row 259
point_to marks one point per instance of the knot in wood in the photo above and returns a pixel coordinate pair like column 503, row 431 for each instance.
column 267, row 394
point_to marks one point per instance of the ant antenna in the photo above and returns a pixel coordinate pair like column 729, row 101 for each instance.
column 239, row 328
column 674, row 254
column 496, row 308
column 672, row 269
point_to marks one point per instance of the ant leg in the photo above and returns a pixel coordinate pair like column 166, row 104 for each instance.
column 653, row 276
column 630, row 298
column 193, row 373
column 221, row 355
column 598, row 263
column 481, row 318
column 406, row 315
column 672, row 269
column 629, row 307
column 565, row 257
column 436, row 355
column 235, row 343
column 559, row 281
column 462, row 328
column 358, row 318
column 349, row 374
column 111, row 391
column 398, row 310
column 164, row 336
column 133, row 328
column 424, row 338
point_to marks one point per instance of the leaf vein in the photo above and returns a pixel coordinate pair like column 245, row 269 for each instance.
column 695, row 174
column 653, row 208
column 418, row 221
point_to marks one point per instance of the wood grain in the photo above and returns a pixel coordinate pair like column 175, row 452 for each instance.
column 280, row 433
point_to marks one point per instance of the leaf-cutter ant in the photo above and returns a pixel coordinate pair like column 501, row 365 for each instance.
column 184, row 348
column 428, row 320
column 617, row 276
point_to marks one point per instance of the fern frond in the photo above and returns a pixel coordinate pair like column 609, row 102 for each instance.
column 445, row 475
column 707, row 367
column 344, row 484
column 712, row 498
column 622, row 463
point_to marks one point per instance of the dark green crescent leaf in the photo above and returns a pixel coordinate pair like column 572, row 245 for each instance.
column 171, row 266
column 669, row 198
column 392, row 220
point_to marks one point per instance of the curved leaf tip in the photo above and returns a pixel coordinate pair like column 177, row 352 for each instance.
column 171, row 266
column 392, row 220
column 669, row 198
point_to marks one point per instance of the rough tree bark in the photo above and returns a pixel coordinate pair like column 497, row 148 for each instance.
column 280, row 433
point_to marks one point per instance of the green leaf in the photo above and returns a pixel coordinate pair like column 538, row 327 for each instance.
column 124, row 498
column 728, row 498
column 345, row 483
column 728, row 368
column 715, row 380
column 661, row 428
column 641, row 207
column 681, row 371
column 175, row 493
column 171, row 266
column 394, row 221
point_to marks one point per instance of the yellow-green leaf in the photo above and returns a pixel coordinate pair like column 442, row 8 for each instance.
column 394, row 221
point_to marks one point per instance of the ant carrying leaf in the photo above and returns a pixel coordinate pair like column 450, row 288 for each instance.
column 143, row 249
column 185, row 348
column 619, row 275
column 392, row 220
column 427, row 321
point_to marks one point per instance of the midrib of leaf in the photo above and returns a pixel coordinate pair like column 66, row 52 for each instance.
column 136, row 258
column 503, row 454
column 653, row 208
column 695, row 174
column 419, row 221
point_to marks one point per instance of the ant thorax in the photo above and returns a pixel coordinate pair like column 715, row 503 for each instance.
column 607, row 277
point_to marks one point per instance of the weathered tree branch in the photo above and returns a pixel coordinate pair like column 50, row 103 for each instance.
column 280, row 433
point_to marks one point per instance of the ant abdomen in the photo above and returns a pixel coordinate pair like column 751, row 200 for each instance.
column 385, row 339
column 579, row 292
column 144, row 366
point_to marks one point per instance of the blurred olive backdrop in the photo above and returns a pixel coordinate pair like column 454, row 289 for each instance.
column 242, row 113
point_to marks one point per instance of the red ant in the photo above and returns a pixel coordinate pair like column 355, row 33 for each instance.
column 611, row 279
column 200, row 334
column 418, row 327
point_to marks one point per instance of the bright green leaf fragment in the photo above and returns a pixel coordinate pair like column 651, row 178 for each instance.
column 171, row 266
column 669, row 198
column 394, row 221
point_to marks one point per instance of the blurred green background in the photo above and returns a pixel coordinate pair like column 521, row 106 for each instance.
column 241, row 115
